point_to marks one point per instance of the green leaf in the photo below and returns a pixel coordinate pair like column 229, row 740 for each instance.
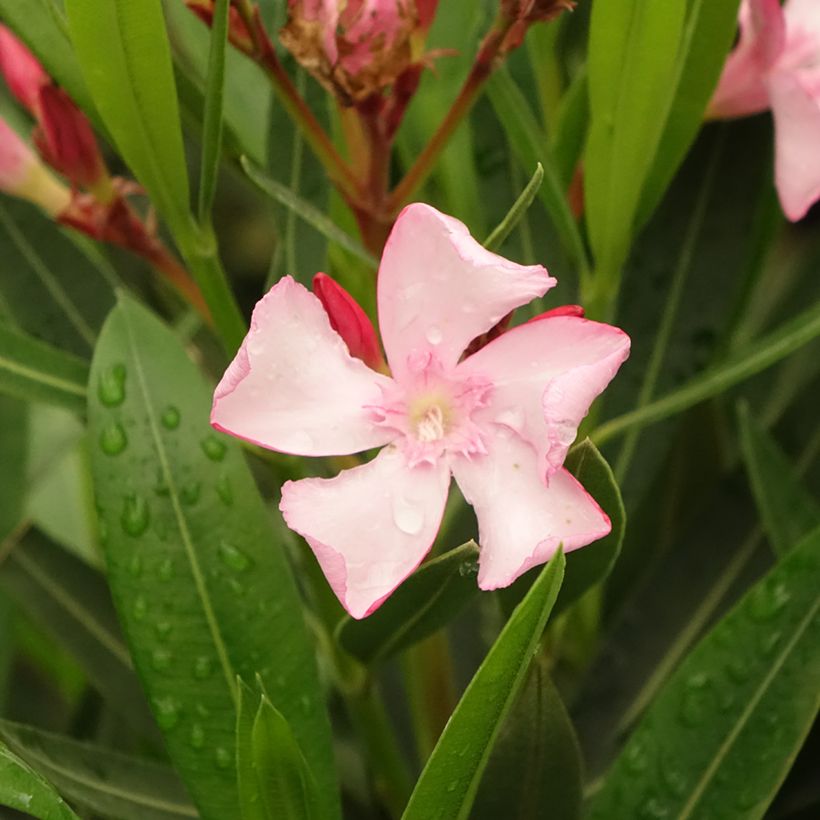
column 788, row 510
column 14, row 421
column 759, row 355
column 203, row 590
column 507, row 225
column 448, row 784
column 303, row 209
column 71, row 602
column 274, row 778
column 34, row 371
column 212, row 124
column 535, row 766
column 103, row 780
column 530, row 145
column 633, row 48
column 722, row 734
column 707, row 36
column 428, row 600
column 23, row 789
column 123, row 51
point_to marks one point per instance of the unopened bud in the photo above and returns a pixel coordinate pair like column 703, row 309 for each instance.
column 66, row 140
column 22, row 72
column 23, row 175
column 359, row 47
column 349, row 320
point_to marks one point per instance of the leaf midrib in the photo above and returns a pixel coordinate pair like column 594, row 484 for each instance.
column 182, row 522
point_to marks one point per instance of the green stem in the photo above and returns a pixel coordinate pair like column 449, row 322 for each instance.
column 485, row 63
column 370, row 719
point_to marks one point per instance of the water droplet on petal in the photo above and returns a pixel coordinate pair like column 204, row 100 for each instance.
column 233, row 557
column 408, row 516
column 434, row 335
column 214, row 448
column 111, row 387
column 166, row 711
column 135, row 515
column 170, row 417
column 113, row 439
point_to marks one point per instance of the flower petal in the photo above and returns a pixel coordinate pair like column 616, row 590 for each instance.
column 796, row 112
column 546, row 373
column 803, row 14
column 293, row 385
column 742, row 90
column 439, row 288
column 521, row 522
column 369, row 527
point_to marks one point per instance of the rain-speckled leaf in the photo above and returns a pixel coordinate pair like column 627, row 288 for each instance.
column 535, row 768
column 36, row 371
column 102, row 780
column 448, row 784
column 23, row 789
column 722, row 734
column 202, row 587
column 424, row 603
column 788, row 510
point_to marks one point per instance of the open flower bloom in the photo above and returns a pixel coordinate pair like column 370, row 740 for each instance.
column 500, row 421
column 776, row 64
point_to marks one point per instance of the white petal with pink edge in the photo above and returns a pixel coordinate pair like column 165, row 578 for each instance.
column 293, row 385
column 522, row 522
column 439, row 289
column 545, row 375
column 370, row 526
column 796, row 109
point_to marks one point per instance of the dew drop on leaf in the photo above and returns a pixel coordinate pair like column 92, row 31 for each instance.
column 163, row 630
column 140, row 608
column 224, row 490
column 135, row 515
column 203, row 667
column 197, row 736
column 135, row 565
column 113, row 439
column 213, row 448
column 767, row 600
column 170, row 417
column 190, row 493
column 166, row 711
column 161, row 659
column 165, row 570
column 111, row 386
column 696, row 700
column 233, row 557
column 223, row 758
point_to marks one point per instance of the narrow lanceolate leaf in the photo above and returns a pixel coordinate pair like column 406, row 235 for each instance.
column 723, row 732
column 274, row 778
column 307, row 212
column 423, row 604
column 707, row 35
column 507, row 225
column 14, row 427
column 71, row 602
column 535, row 766
column 35, row 371
column 122, row 48
column 448, row 784
column 743, row 364
column 202, row 588
column 788, row 510
column 104, row 781
column 633, row 47
column 21, row 788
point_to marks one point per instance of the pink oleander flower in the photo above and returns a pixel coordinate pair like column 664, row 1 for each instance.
column 23, row 175
column 356, row 48
column 63, row 135
column 776, row 65
column 500, row 420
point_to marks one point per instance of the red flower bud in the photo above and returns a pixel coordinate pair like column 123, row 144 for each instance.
column 22, row 72
column 349, row 320
column 359, row 47
column 66, row 141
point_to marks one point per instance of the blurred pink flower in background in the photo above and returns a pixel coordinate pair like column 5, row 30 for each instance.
column 500, row 420
column 776, row 65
